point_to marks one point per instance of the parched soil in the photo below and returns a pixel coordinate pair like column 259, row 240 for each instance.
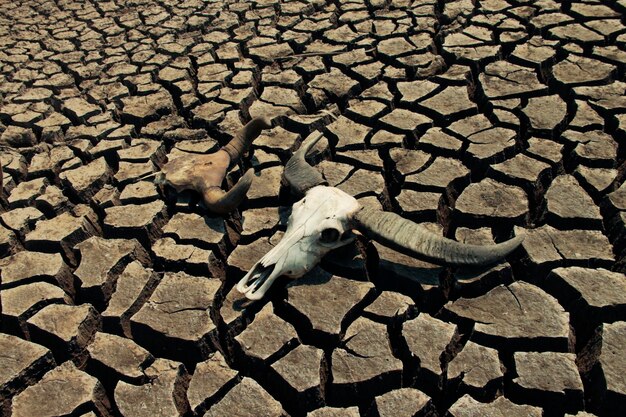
column 480, row 119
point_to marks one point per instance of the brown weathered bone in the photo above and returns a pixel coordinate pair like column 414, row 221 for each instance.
column 204, row 173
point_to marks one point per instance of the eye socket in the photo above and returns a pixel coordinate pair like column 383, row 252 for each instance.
column 329, row 235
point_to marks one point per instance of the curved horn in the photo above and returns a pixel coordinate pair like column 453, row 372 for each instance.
column 408, row 237
column 221, row 202
column 299, row 174
column 242, row 140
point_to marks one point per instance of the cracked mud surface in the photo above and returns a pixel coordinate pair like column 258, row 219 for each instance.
column 480, row 119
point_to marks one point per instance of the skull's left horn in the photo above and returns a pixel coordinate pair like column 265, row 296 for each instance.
column 238, row 145
column 408, row 237
column 299, row 174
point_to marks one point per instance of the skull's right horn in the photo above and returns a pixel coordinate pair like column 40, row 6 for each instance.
column 408, row 237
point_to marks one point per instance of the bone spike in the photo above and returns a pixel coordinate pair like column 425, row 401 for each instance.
column 221, row 202
column 299, row 174
column 242, row 140
column 408, row 237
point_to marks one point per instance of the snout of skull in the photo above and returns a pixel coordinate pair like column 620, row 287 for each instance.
column 300, row 258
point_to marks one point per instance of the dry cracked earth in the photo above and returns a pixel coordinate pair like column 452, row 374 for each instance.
column 480, row 119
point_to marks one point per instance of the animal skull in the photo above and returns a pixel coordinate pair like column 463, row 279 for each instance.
column 319, row 222
column 204, row 173
column 324, row 219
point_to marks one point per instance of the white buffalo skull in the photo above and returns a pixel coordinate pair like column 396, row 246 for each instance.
column 320, row 222
column 324, row 220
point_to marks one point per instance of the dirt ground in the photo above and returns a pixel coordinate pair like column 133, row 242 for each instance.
column 481, row 120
